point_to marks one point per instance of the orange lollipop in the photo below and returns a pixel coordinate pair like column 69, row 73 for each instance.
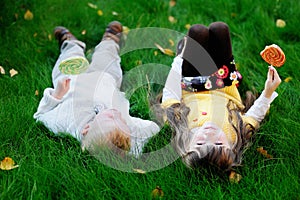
column 273, row 55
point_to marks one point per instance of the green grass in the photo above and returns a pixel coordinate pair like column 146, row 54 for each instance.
column 52, row 167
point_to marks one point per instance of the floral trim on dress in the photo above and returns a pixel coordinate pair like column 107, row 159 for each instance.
column 226, row 75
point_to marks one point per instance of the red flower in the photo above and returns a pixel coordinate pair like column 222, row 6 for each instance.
column 222, row 72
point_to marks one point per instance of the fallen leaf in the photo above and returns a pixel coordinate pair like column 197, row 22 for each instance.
column 187, row 26
column 2, row 71
column 92, row 5
column 125, row 30
column 28, row 15
column 234, row 177
column 35, row 34
column 157, row 193
column 280, row 23
column 83, row 32
column 36, row 93
column 168, row 52
column 172, row 3
column 172, row 43
column 155, row 53
column 264, row 152
column 140, row 171
column 172, row 19
column 50, row 37
column 7, row 164
column 139, row 62
column 100, row 12
column 13, row 72
column 288, row 79
column 114, row 13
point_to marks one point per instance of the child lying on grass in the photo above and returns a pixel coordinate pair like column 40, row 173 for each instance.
column 88, row 104
column 203, row 105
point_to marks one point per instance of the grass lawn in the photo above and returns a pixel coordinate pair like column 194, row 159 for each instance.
column 52, row 167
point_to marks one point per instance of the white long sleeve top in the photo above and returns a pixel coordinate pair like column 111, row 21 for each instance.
column 88, row 93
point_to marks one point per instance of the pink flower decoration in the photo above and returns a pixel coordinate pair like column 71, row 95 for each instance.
column 208, row 84
column 219, row 83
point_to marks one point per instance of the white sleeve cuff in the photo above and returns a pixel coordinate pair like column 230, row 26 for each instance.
column 260, row 107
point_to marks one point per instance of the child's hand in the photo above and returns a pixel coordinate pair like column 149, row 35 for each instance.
column 272, row 82
column 62, row 88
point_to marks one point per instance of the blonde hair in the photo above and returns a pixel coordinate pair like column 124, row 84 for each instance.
column 222, row 157
column 116, row 140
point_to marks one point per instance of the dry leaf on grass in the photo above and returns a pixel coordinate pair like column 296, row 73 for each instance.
column 264, row 152
column 172, row 19
column 172, row 3
column 140, row 171
column 92, row 5
column 13, row 72
column 234, row 177
column 8, row 164
column 28, row 15
column 166, row 51
column 157, row 193
column 288, row 79
column 2, row 71
column 280, row 23
column 100, row 12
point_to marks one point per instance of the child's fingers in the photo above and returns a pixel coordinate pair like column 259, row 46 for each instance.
column 270, row 73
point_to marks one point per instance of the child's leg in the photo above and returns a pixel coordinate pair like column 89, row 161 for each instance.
column 221, row 51
column 200, row 34
column 69, row 49
column 106, row 58
column 220, row 43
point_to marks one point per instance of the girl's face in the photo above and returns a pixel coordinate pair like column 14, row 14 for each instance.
column 208, row 133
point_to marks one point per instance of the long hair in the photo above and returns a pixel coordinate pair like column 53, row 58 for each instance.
column 222, row 157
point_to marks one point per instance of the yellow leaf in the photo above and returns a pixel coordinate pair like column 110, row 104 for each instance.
column 169, row 52
column 155, row 53
column 235, row 177
column 172, row 3
column 172, row 19
column 187, row 26
column 100, row 12
column 92, row 5
column 159, row 47
column 36, row 93
column 28, row 15
column 2, row 71
column 140, row 171
column 264, row 152
column 288, row 79
column 139, row 62
column 126, row 30
column 7, row 164
column 83, row 32
column 157, row 193
column 13, row 72
column 35, row 34
column 172, row 43
column 280, row 23
column 49, row 37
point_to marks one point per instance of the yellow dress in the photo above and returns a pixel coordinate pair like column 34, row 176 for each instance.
column 212, row 106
